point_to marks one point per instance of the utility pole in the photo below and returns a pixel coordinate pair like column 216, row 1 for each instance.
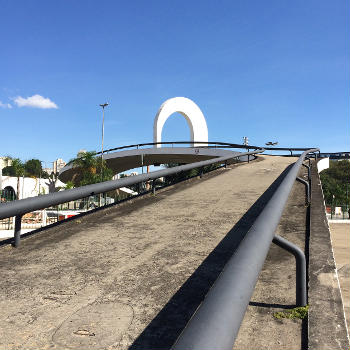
column 103, row 130
column 103, row 133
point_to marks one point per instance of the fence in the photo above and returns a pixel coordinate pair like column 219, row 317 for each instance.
column 40, row 218
column 337, row 212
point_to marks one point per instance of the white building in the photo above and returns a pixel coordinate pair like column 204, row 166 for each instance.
column 28, row 187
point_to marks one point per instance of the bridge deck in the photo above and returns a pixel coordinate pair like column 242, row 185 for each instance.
column 133, row 275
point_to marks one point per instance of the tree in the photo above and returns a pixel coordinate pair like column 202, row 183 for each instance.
column 16, row 169
column 336, row 182
column 8, row 171
column 33, row 168
column 90, row 169
column 45, row 175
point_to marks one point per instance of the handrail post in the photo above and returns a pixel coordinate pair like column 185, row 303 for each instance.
column 308, row 171
column 307, row 188
column 154, row 186
column 300, row 261
column 17, row 231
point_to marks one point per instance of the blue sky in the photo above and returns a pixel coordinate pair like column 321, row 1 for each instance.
column 269, row 70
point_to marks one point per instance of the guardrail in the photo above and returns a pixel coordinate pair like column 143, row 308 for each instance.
column 20, row 207
column 289, row 149
column 208, row 144
column 335, row 155
column 216, row 322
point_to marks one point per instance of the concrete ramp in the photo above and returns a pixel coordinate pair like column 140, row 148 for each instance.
column 132, row 275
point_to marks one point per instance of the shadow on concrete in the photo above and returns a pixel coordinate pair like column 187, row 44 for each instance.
column 280, row 306
column 165, row 328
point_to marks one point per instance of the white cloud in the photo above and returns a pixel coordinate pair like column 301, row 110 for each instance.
column 5, row 105
column 35, row 101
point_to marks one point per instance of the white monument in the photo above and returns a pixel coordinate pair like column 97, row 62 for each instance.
column 192, row 113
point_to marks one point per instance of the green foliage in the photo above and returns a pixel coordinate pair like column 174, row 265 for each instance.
column 8, row 171
column 15, row 169
column 90, row 169
column 69, row 185
column 33, row 168
column 45, row 175
column 298, row 312
column 336, row 181
column 170, row 179
column 183, row 175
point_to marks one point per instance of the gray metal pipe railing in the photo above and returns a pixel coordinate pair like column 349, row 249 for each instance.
column 216, row 322
column 307, row 185
column 205, row 144
column 23, row 206
column 300, row 266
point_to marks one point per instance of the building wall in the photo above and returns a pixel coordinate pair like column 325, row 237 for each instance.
column 29, row 187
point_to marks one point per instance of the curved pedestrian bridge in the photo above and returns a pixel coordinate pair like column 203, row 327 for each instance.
column 129, row 159
column 132, row 275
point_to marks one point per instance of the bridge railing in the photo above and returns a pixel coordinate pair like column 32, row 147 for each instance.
column 216, row 322
column 18, row 208
column 207, row 144
column 199, row 144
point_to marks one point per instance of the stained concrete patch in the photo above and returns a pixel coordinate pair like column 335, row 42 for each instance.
column 95, row 326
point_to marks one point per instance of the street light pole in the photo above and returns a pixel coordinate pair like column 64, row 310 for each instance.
column 103, row 133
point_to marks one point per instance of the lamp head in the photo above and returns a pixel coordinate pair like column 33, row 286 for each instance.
column 104, row 105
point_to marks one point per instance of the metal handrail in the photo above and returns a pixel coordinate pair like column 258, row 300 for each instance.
column 287, row 148
column 206, row 144
column 216, row 322
column 20, row 207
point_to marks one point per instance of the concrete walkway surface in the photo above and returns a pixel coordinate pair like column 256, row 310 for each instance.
column 340, row 235
column 131, row 276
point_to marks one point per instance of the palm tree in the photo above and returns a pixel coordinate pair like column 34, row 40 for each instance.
column 18, row 171
column 88, row 168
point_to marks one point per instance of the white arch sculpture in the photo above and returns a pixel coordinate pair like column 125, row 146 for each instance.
column 194, row 117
